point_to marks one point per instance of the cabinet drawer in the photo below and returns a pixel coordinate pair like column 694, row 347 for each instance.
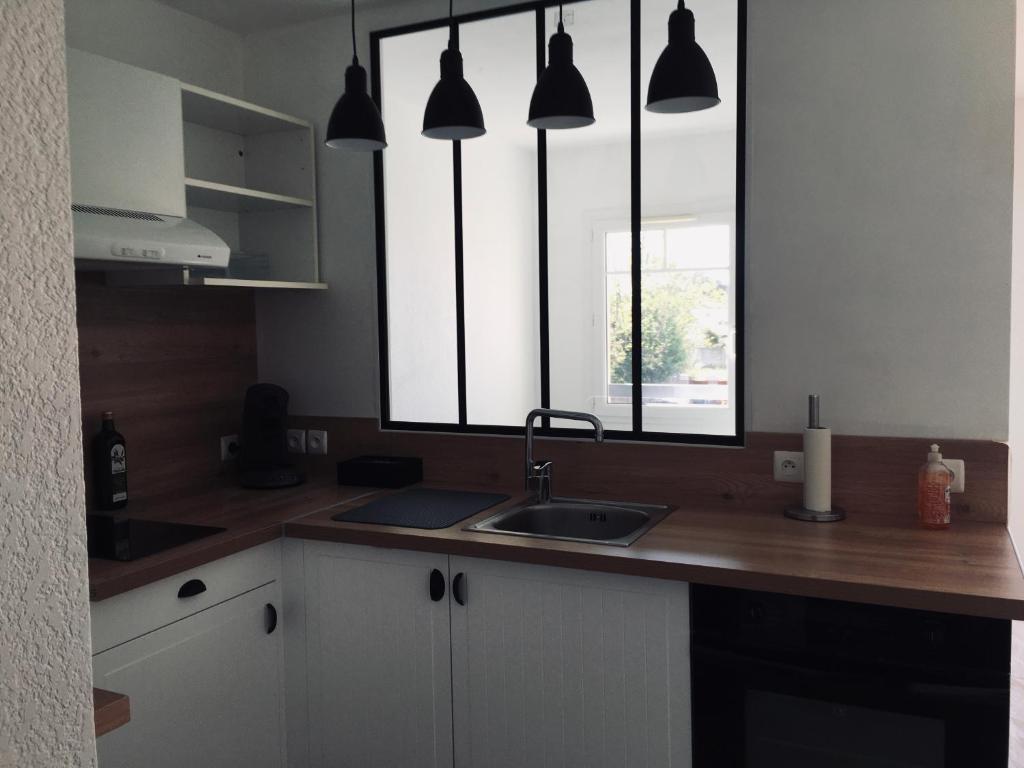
column 127, row 616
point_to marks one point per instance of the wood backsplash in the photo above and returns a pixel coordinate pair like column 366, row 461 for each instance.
column 173, row 364
column 869, row 474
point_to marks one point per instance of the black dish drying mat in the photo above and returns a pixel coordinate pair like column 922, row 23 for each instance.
column 421, row 508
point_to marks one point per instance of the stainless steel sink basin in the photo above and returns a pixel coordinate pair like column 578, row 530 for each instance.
column 596, row 522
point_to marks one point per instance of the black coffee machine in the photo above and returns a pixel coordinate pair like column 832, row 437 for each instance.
column 264, row 452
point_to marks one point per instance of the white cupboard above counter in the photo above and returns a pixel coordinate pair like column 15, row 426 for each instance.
column 147, row 145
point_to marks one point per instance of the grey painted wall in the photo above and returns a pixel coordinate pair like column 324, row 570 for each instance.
column 45, row 697
column 879, row 182
column 147, row 34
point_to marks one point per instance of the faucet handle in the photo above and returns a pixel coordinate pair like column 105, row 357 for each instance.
column 541, row 467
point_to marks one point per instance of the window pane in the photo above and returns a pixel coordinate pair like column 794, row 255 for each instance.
column 688, row 171
column 499, row 192
column 419, row 214
column 589, row 197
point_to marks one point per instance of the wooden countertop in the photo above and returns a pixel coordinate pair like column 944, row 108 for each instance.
column 970, row 569
column 251, row 517
column 110, row 710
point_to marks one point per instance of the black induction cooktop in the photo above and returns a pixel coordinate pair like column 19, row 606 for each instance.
column 125, row 538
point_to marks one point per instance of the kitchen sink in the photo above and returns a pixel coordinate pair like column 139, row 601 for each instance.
column 583, row 520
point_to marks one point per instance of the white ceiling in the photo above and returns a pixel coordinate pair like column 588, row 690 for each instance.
column 245, row 16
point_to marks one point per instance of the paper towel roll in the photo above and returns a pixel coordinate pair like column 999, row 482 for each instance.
column 818, row 469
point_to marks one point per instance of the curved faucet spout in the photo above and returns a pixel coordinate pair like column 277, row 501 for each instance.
column 538, row 474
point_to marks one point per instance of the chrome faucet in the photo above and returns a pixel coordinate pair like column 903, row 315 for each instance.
column 538, row 473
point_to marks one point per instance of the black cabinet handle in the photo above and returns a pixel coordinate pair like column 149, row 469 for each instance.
column 459, row 588
column 436, row 585
column 271, row 618
column 191, row 588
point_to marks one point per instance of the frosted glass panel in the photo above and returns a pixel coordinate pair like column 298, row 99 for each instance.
column 688, row 171
column 420, row 238
column 500, row 240
column 589, row 197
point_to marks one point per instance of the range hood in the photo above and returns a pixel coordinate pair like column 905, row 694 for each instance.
column 132, row 237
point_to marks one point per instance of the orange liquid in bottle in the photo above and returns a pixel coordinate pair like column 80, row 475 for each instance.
column 933, row 484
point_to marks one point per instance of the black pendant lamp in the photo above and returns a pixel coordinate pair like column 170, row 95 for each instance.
column 561, row 98
column 683, row 80
column 355, row 122
column 453, row 110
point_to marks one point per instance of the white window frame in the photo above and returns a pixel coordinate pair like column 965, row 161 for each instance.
column 680, row 419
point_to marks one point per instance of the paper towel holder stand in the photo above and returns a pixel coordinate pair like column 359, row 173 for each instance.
column 833, row 515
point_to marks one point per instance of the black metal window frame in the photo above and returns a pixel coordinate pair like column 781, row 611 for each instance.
column 637, row 433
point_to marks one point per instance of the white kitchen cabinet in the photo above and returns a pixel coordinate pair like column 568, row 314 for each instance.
column 378, row 656
column 536, row 666
column 205, row 691
column 127, row 148
column 556, row 667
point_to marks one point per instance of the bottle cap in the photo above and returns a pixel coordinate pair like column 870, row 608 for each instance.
column 108, row 415
column 934, row 455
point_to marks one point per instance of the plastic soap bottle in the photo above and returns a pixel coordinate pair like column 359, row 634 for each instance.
column 933, row 486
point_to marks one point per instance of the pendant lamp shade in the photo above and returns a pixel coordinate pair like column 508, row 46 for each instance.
column 683, row 79
column 453, row 111
column 355, row 122
column 561, row 98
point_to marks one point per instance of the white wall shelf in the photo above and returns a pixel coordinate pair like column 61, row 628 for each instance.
column 226, row 113
column 225, row 197
column 250, row 176
column 187, row 276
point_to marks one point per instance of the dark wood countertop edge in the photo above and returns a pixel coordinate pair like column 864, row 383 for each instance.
column 985, row 606
column 110, row 710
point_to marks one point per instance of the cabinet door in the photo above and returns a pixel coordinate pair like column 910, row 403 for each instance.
column 127, row 148
column 554, row 667
column 205, row 691
column 378, row 654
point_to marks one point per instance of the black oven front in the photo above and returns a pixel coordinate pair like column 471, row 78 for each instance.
column 791, row 682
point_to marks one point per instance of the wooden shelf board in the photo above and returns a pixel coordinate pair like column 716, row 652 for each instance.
column 110, row 710
column 225, row 197
column 226, row 113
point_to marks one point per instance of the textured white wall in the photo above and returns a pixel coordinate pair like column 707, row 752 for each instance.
column 45, row 677
column 879, row 189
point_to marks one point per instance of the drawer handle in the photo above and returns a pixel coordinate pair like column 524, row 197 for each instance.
column 191, row 588
column 459, row 588
column 436, row 585
column 271, row 618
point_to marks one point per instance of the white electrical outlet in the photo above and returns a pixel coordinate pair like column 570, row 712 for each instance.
column 959, row 469
column 296, row 441
column 789, row 466
column 316, row 442
column 229, row 447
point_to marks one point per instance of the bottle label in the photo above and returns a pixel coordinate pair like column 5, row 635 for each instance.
column 119, row 473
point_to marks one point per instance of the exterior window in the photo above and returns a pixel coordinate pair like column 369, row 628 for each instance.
column 688, row 328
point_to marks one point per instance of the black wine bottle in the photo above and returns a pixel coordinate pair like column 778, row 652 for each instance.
column 110, row 465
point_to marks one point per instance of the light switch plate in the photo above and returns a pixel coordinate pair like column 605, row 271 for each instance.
column 959, row 474
column 789, row 466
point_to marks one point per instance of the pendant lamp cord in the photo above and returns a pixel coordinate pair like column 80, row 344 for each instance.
column 561, row 26
column 355, row 56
